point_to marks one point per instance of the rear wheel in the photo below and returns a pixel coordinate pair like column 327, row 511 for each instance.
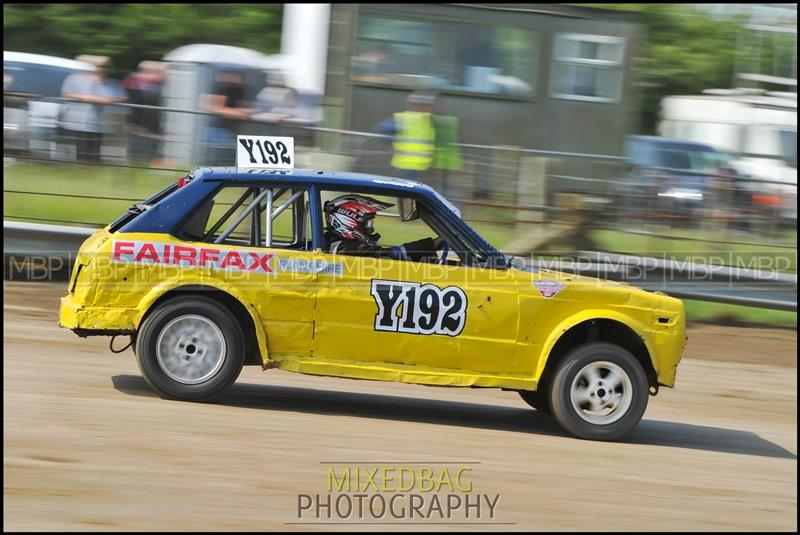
column 599, row 392
column 190, row 348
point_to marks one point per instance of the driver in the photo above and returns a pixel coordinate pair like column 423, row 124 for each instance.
column 350, row 231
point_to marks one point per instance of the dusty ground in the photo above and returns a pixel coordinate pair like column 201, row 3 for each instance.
column 88, row 446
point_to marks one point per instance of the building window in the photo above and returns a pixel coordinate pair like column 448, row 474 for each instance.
column 588, row 67
column 445, row 55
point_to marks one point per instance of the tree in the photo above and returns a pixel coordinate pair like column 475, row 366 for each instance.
column 685, row 52
column 130, row 33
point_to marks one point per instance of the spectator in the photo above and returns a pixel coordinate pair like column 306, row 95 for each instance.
column 277, row 102
column 425, row 142
column 144, row 125
column 414, row 136
column 230, row 109
column 82, row 118
column 447, row 154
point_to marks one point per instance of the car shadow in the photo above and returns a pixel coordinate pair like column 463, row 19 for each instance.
column 462, row 414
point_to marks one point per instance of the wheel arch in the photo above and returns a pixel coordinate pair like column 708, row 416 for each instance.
column 224, row 294
column 576, row 331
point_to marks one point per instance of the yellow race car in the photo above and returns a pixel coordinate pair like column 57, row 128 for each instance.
column 226, row 268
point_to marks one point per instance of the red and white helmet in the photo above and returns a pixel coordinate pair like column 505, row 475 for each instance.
column 350, row 217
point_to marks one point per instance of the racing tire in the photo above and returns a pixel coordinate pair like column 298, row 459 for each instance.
column 190, row 348
column 536, row 399
column 599, row 392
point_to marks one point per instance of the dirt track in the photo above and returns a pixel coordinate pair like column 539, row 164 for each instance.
column 88, row 446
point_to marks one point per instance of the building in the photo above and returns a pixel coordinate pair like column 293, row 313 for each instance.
column 550, row 77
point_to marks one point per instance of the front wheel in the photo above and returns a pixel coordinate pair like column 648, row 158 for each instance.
column 190, row 348
column 599, row 392
column 536, row 399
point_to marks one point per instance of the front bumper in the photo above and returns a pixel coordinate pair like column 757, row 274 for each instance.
column 669, row 344
column 95, row 320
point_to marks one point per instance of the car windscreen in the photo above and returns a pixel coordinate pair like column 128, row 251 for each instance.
column 30, row 78
column 673, row 159
column 475, row 251
column 691, row 159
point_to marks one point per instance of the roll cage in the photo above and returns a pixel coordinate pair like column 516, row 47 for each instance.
column 182, row 210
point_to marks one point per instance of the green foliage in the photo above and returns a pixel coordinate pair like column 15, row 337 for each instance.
column 130, row 33
column 684, row 52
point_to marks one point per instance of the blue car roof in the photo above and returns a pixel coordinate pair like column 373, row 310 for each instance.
column 327, row 178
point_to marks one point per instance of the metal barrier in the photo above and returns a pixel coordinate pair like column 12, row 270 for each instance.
column 739, row 286
column 703, row 282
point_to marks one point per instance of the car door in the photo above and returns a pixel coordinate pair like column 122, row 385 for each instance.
column 419, row 314
column 273, row 265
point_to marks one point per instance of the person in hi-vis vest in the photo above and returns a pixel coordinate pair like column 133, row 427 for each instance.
column 446, row 154
column 414, row 136
column 424, row 142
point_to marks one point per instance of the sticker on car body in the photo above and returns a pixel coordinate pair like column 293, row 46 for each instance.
column 315, row 265
column 143, row 252
column 415, row 308
column 548, row 288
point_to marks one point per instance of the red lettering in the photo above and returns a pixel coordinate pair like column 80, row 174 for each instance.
column 166, row 252
column 119, row 251
column 183, row 253
column 231, row 259
column 208, row 255
column 147, row 252
column 260, row 262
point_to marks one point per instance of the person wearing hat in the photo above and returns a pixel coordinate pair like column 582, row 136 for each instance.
column 277, row 102
column 413, row 136
column 82, row 116
column 423, row 140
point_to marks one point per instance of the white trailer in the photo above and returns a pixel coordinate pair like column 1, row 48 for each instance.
column 760, row 130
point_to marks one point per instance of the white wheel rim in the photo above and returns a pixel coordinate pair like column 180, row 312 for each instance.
column 190, row 349
column 601, row 393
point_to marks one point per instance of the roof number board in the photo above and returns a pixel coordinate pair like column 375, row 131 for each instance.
column 263, row 152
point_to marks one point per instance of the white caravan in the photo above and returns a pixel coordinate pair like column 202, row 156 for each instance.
column 758, row 129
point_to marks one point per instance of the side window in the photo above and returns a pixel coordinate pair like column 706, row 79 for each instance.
column 42, row 80
column 420, row 220
column 387, row 222
column 256, row 216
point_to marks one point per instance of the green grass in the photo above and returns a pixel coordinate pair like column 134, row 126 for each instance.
column 722, row 313
column 73, row 180
column 139, row 183
column 136, row 184
column 745, row 254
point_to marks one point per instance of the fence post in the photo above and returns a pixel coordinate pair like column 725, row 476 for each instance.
column 531, row 189
column 504, row 162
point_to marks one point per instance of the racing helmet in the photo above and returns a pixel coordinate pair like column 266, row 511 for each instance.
column 350, row 217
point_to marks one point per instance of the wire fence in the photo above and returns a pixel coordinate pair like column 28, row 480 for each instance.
column 515, row 188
